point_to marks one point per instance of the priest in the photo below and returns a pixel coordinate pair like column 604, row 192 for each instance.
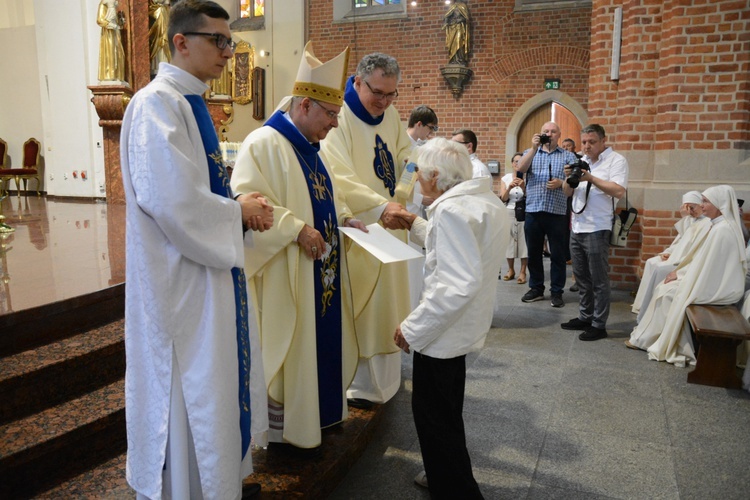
column 188, row 330
column 367, row 154
column 297, row 270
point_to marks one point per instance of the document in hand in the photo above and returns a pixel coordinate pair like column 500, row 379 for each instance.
column 381, row 244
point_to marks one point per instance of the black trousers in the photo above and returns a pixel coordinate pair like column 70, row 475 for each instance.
column 437, row 404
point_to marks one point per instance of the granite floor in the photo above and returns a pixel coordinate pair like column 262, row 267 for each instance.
column 549, row 416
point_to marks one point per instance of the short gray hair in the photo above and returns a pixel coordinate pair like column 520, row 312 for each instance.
column 449, row 159
column 377, row 60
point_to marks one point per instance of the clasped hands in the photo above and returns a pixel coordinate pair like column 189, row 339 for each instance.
column 395, row 216
column 313, row 243
column 257, row 213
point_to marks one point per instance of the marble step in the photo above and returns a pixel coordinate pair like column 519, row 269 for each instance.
column 36, row 379
column 37, row 326
column 53, row 445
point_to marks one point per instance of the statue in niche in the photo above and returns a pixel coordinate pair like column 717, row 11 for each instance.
column 111, row 53
column 158, row 13
column 456, row 25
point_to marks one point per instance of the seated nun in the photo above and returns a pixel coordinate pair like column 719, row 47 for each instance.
column 714, row 273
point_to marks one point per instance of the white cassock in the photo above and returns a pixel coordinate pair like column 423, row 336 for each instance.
column 692, row 232
column 380, row 292
column 744, row 349
column 714, row 275
column 181, row 381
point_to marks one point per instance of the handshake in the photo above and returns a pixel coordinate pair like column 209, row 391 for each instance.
column 395, row 216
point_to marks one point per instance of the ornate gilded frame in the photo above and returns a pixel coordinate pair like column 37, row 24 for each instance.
column 243, row 63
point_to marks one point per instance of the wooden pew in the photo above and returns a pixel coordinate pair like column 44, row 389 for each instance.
column 718, row 330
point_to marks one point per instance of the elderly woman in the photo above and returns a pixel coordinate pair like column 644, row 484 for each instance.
column 713, row 274
column 512, row 189
column 465, row 235
column 691, row 230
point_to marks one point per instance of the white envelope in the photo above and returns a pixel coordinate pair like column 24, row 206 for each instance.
column 381, row 244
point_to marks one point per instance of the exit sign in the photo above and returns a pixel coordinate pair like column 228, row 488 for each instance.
column 552, row 84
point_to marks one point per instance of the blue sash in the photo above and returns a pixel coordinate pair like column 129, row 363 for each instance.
column 217, row 174
column 382, row 161
column 326, row 272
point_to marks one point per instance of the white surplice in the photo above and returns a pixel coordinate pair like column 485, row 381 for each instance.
column 182, row 243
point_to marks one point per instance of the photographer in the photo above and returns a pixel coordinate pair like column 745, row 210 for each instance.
column 543, row 165
column 594, row 183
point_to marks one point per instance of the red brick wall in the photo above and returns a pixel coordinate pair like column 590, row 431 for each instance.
column 512, row 54
column 684, row 79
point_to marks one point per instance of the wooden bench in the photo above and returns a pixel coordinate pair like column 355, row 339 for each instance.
column 718, row 331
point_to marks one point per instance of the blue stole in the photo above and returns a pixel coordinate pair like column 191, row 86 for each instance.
column 382, row 162
column 219, row 179
column 326, row 274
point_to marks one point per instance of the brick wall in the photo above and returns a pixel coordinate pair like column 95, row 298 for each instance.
column 684, row 85
column 512, row 54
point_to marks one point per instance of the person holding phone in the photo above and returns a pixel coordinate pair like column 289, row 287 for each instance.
column 513, row 189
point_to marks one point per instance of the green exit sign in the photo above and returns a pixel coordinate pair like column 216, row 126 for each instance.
column 552, row 84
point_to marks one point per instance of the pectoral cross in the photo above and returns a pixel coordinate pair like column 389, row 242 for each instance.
column 319, row 186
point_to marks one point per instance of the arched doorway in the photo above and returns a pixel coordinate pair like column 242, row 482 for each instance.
column 548, row 104
column 570, row 127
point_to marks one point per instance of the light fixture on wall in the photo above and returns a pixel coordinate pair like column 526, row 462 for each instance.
column 414, row 3
column 614, row 73
column 264, row 53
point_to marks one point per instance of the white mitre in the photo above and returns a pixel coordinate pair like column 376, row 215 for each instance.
column 324, row 82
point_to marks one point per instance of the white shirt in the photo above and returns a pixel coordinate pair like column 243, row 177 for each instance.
column 478, row 168
column 598, row 214
column 466, row 236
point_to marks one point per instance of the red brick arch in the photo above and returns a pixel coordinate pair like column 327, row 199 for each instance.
column 513, row 63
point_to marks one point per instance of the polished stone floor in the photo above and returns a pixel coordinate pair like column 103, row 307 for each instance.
column 59, row 249
column 551, row 417
column 547, row 416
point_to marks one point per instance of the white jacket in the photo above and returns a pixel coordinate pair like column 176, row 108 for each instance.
column 466, row 236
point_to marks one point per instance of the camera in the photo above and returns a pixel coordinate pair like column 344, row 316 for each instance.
column 575, row 175
column 544, row 139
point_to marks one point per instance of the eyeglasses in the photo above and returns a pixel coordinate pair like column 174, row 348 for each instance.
column 329, row 112
column 433, row 128
column 462, row 142
column 220, row 40
column 381, row 95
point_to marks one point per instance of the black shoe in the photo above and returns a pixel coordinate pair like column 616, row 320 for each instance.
column 593, row 333
column 362, row 404
column 574, row 287
column 575, row 324
column 532, row 295
column 557, row 300
column 546, row 254
column 250, row 490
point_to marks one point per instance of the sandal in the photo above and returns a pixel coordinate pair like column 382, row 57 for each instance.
column 630, row 345
column 521, row 280
column 509, row 276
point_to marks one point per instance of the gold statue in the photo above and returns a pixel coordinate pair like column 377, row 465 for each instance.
column 158, row 12
column 111, row 53
column 456, row 26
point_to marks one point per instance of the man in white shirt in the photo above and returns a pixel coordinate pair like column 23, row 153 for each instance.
column 593, row 209
column 422, row 125
column 469, row 139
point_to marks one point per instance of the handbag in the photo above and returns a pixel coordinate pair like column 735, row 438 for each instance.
column 622, row 223
column 520, row 209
